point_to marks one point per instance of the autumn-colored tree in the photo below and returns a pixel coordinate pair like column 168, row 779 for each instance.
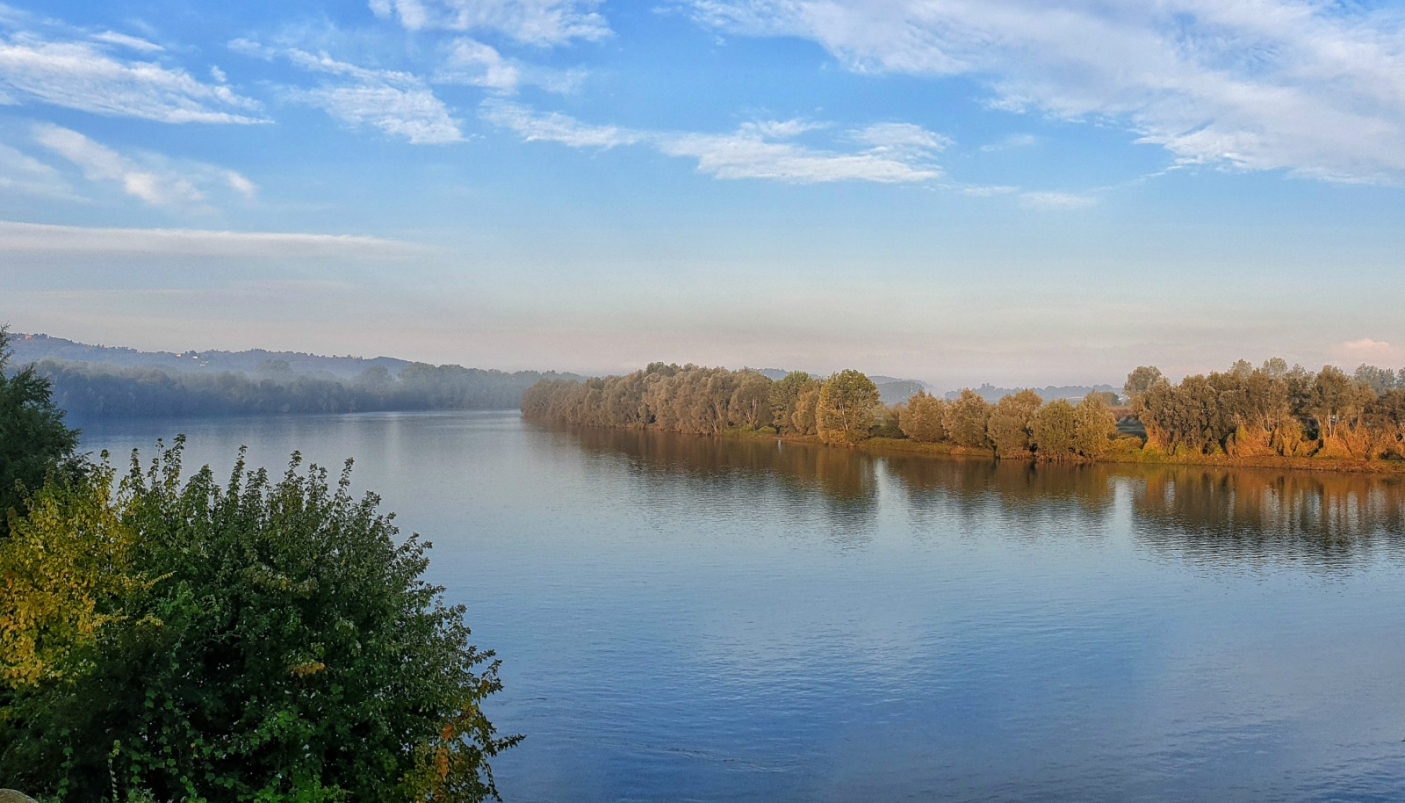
column 1054, row 431
column 1139, row 382
column 923, row 418
column 1008, row 426
column 805, row 419
column 1379, row 380
column 846, row 407
column 785, row 393
column 750, row 405
column 1094, row 426
column 966, row 420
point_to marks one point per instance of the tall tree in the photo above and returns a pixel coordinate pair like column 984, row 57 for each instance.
column 923, row 418
column 750, row 405
column 847, row 404
column 1139, row 382
column 1054, row 430
column 1010, row 418
column 34, row 440
column 1094, row 425
column 967, row 419
column 785, row 393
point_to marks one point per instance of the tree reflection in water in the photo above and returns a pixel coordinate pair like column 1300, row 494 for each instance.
column 1209, row 515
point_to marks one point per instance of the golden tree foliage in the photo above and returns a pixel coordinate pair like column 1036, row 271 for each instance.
column 1054, row 430
column 1094, row 426
column 923, row 418
column 1008, row 426
column 846, row 407
column 967, row 419
column 65, row 570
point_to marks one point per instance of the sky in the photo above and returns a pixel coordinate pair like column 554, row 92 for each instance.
column 958, row 191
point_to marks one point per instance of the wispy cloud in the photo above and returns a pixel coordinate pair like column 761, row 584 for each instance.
column 153, row 180
column 474, row 63
column 1056, row 200
column 397, row 103
column 1011, row 142
column 1366, row 346
column 30, row 238
column 1311, row 88
column 535, row 22
column 92, row 73
column 989, row 191
column 22, row 174
column 892, row 153
column 533, row 126
column 130, row 42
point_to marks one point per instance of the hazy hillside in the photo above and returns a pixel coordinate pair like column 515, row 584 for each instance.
column 1049, row 393
column 96, row 383
column 38, row 347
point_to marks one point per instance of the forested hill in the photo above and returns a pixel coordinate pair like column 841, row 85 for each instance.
column 94, row 383
column 30, row 348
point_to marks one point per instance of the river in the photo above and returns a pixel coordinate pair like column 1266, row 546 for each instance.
column 686, row 618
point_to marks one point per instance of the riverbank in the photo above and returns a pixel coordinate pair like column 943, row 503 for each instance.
column 1142, row 456
column 1122, row 451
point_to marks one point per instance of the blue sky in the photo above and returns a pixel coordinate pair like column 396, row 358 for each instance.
column 1015, row 191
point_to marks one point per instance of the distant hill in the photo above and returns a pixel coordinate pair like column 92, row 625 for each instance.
column 105, row 382
column 39, row 347
column 1049, row 393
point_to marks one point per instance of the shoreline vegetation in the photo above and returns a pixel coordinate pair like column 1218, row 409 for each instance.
column 1271, row 416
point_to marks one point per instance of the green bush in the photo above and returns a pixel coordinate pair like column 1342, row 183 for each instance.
column 266, row 640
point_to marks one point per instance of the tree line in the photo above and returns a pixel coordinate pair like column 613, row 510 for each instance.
column 94, row 392
column 841, row 410
column 1273, row 410
column 1244, row 412
column 165, row 637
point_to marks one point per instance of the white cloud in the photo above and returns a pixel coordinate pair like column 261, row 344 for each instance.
column 1056, row 200
column 473, row 63
column 896, row 153
column 746, row 154
column 477, row 64
column 151, row 179
column 989, row 191
column 31, row 238
column 901, row 138
column 1309, row 87
column 536, row 22
column 88, row 76
column 412, row 113
column 129, row 42
column 1367, row 346
column 241, row 185
column 553, row 127
column 397, row 103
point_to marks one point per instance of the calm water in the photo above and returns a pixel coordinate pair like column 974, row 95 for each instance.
column 682, row 618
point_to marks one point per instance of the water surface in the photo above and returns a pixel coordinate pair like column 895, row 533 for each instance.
column 685, row 618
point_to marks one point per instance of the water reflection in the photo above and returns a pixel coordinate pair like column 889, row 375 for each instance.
column 1326, row 520
column 803, row 475
column 1202, row 514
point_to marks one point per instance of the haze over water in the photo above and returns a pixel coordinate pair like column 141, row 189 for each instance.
column 687, row 618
